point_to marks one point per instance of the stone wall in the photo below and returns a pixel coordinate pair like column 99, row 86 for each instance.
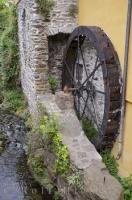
column 61, row 21
column 33, row 41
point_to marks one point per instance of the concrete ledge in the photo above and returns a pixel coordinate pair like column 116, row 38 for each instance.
column 98, row 183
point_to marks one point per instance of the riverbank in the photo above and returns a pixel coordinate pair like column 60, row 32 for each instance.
column 15, row 176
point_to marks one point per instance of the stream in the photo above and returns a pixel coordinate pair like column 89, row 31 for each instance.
column 16, row 182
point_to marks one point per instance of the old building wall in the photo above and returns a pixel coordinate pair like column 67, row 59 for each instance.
column 34, row 33
column 33, row 50
column 63, row 17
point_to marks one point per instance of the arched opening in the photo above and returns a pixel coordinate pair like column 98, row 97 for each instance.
column 56, row 46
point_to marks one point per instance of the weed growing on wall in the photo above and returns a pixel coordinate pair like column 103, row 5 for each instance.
column 112, row 166
column 75, row 180
column 13, row 100
column 89, row 129
column 127, row 185
column 50, row 132
column 49, row 158
column 53, row 83
column 39, row 171
column 110, row 163
column 9, row 67
column 46, row 7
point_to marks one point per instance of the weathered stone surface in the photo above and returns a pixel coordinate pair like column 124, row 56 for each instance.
column 39, row 53
column 98, row 183
column 61, row 21
column 64, row 100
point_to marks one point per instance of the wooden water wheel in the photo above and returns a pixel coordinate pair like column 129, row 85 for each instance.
column 92, row 72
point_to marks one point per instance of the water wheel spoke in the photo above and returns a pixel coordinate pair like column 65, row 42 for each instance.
column 85, row 106
column 96, row 117
column 83, row 62
column 71, row 76
column 79, row 106
column 91, row 74
column 93, row 117
column 101, row 92
column 94, row 67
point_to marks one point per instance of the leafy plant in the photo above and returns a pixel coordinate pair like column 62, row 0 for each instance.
column 36, row 162
column 9, row 67
column 49, row 130
column 57, row 196
column 13, row 100
column 110, row 162
column 112, row 166
column 89, row 129
column 127, row 185
column 75, row 180
column 45, row 7
column 53, row 84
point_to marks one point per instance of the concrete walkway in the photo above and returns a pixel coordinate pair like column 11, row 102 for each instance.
column 97, row 180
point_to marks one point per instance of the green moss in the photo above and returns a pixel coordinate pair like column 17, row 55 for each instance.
column 89, row 129
column 46, row 7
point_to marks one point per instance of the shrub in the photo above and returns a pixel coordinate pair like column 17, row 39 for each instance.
column 13, row 100
column 9, row 70
column 50, row 132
